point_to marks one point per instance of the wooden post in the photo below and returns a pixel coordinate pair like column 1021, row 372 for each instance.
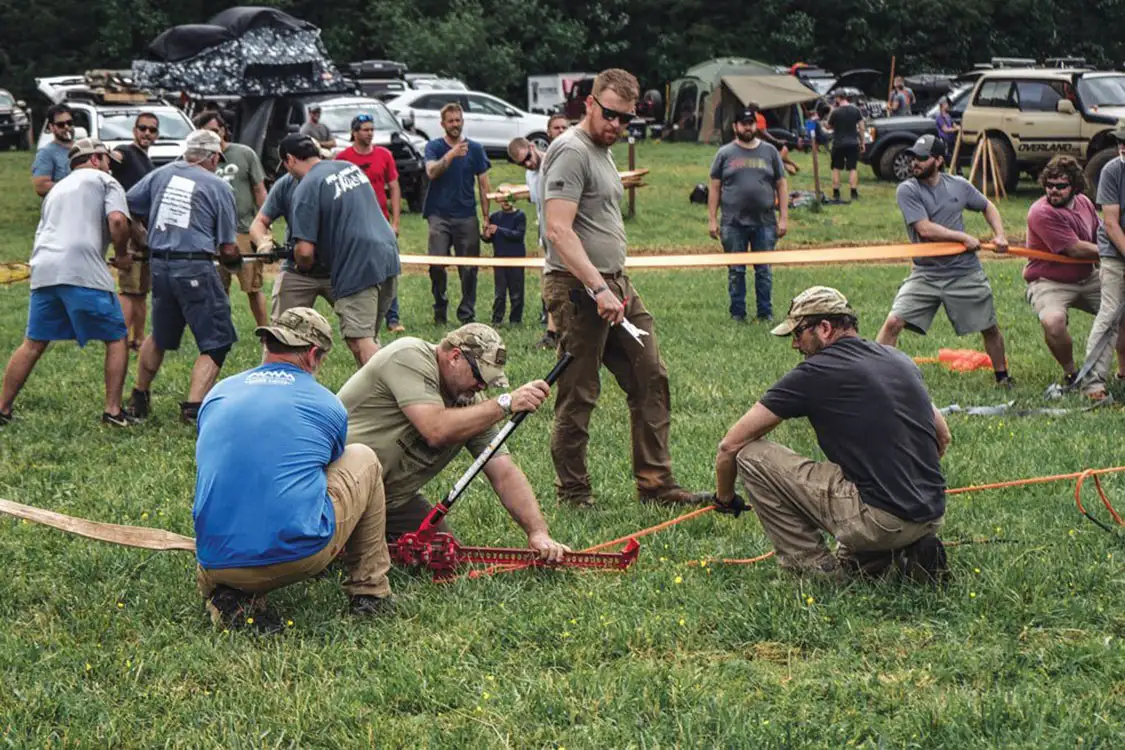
column 891, row 81
column 976, row 162
column 952, row 165
column 984, row 165
column 632, row 166
column 1001, row 190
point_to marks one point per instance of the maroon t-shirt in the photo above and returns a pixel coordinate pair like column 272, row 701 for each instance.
column 379, row 166
column 1052, row 230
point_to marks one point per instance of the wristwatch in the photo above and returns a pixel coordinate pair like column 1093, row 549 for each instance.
column 505, row 402
column 599, row 290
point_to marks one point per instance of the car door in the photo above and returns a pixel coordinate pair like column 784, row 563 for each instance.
column 427, row 113
column 991, row 105
column 487, row 121
column 1042, row 130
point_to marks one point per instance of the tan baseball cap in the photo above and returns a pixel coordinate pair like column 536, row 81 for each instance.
column 816, row 300
column 87, row 147
column 487, row 349
column 300, row 326
column 204, row 140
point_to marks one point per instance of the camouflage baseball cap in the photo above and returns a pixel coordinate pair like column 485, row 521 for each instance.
column 487, row 349
column 816, row 300
column 300, row 326
column 86, row 147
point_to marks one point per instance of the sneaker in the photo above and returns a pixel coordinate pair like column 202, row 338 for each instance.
column 855, row 195
column 120, row 419
column 396, row 327
column 550, row 340
column 1069, row 379
column 674, row 496
column 189, row 412
column 738, row 318
column 5, row 418
column 235, row 610
column 1007, row 382
column 924, row 561
column 866, row 564
column 139, row 404
column 575, row 501
column 364, row 605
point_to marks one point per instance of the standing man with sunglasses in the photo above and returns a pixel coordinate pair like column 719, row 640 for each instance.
column 1063, row 222
column 417, row 405
column 932, row 203
column 589, row 296
column 453, row 164
column 129, row 165
column 378, row 164
column 52, row 162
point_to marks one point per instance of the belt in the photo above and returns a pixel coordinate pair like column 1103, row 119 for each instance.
column 179, row 255
column 614, row 275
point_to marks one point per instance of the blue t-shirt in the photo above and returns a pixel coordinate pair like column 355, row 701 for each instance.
column 452, row 195
column 266, row 437
column 334, row 208
column 511, row 227
column 186, row 208
column 51, row 161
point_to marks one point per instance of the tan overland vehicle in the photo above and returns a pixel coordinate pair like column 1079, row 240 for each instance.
column 1032, row 114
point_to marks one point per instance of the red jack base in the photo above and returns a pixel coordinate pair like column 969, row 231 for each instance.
column 442, row 554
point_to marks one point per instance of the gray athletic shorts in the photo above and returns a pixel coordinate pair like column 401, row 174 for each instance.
column 967, row 300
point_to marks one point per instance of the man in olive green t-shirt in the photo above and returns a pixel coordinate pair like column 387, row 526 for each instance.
column 588, row 295
column 242, row 170
column 417, row 404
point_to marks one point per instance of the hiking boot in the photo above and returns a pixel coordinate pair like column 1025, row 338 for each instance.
column 1007, row 382
column 550, row 340
column 5, row 418
column 866, row 564
column 673, row 496
column 139, row 404
column 189, row 412
column 365, row 605
column 924, row 561
column 235, row 610
column 396, row 327
column 577, row 501
column 120, row 419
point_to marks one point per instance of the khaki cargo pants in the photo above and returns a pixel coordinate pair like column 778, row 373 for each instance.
column 638, row 369
column 355, row 485
column 797, row 499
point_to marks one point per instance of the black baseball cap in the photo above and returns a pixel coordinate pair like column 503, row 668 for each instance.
column 298, row 146
column 746, row 114
column 927, row 146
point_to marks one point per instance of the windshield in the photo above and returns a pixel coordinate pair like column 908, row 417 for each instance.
column 1103, row 91
column 118, row 125
column 338, row 117
column 6, row 99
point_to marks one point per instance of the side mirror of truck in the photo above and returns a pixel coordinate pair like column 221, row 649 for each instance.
column 407, row 120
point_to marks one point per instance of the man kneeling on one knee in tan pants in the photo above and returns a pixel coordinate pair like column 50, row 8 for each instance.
column 881, row 492
column 269, row 517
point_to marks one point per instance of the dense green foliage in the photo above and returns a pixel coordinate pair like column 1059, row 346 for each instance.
column 494, row 45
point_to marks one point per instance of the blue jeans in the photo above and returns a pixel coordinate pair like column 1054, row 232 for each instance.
column 392, row 312
column 736, row 240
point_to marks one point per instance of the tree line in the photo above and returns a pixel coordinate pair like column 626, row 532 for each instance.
column 495, row 44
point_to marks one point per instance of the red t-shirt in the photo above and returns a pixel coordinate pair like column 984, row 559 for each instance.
column 1052, row 230
column 379, row 166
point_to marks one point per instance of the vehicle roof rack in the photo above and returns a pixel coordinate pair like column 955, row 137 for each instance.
column 1065, row 62
column 1013, row 62
column 377, row 69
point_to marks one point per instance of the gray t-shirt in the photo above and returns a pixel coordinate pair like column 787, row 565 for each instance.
column 185, row 207
column 73, row 233
column 577, row 170
column 1111, row 192
column 749, row 178
column 334, row 208
column 51, row 161
column 943, row 205
column 242, row 170
column 317, row 130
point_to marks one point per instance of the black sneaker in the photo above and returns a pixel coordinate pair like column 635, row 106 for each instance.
column 120, row 419
column 189, row 412
column 365, row 605
column 1070, row 379
column 855, row 195
column 1007, row 382
column 236, row 610
column 139, row 404
column 867, row 564
column 924, row 561
column 5, row 418
column 550, row 340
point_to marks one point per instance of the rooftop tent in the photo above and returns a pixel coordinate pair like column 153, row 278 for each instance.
column 687, row 96
column 776, row 94
column 243, row 51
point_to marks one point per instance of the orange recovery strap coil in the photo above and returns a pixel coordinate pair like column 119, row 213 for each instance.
column 903, row 251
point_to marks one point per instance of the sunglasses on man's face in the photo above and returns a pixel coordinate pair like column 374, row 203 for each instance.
column 148, row 128
column 1057, row 185
column 63, row 123
column 613, row 115
column 526, row 161
column 473, row 368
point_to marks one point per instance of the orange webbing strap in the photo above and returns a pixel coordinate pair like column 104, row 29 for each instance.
column 773, row 258
column 1101, row 493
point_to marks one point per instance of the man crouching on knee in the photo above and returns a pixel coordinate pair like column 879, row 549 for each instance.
column 881, row 493
column 266, row 517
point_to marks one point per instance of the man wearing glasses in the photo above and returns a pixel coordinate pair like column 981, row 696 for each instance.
column 417, row 405
column 589, row 296
column 881, row 492
column 932, row 203
column 130, row 164
column 378, row 164
column 52, row 162
column 1063, row 222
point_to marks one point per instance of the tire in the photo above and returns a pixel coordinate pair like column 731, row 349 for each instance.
column 417, row 197
column 1005, row 162
column 22, row 142
column 1094, row 169
column 895, row 164
column 540, row 141
column 874, row 164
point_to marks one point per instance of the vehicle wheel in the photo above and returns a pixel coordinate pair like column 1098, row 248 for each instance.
column 895, row 164
column 22, row 142
column 875, row 169
column 539, row 140
column 1094, row 169
column 417, row 197
column 1005, row 162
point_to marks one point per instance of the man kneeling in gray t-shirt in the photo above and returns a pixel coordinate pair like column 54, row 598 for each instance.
column 931, row 204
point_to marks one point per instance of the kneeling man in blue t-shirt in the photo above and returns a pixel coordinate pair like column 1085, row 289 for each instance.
column 266, row 519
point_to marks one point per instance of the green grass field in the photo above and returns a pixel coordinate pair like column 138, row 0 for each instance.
column 109, row 647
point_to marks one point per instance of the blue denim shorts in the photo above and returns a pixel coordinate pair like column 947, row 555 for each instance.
column 64, row 312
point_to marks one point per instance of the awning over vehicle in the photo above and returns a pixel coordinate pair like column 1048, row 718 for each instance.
column 769, row 92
